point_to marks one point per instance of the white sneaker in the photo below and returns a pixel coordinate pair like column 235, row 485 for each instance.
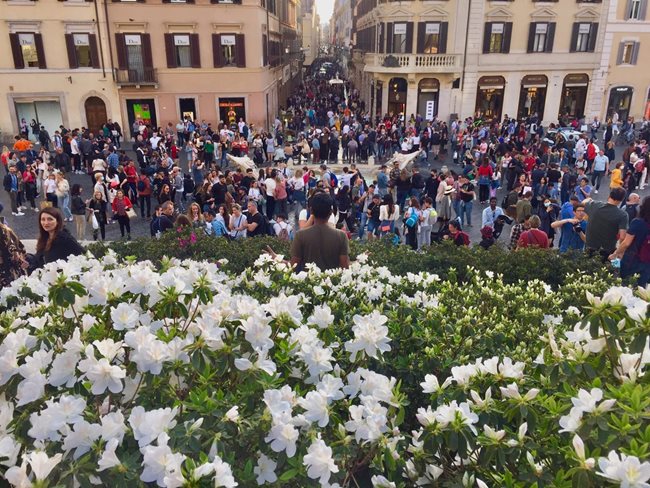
column 596, row 192
column 19, row 214
column 14, row 214
column 35, row 209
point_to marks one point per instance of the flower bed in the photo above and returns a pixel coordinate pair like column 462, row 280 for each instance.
column 445, row 259
column 129, row 374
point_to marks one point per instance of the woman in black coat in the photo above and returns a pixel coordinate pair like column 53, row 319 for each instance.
column 54, row 240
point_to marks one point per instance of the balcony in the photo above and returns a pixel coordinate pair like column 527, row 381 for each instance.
column 412, row 63
column 137, row 77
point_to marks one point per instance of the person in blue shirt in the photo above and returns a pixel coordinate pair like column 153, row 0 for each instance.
column 583, row 190
column 213, row 226
column 573, row 224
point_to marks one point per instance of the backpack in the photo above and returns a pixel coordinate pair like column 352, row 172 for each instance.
column 284, row 233
column 267, row 228
column 644, row 249
column 462, row 236
column 334, row 181
column 141, row 185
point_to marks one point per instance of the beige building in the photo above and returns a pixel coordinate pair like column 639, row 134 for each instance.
column 462, row 58
column 213, row 60
column 54, row 67
column 310, row 32
column 626, row 50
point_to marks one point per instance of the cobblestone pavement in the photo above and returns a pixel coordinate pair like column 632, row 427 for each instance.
column 26, row 227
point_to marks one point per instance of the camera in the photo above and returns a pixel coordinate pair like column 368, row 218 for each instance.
column 577, row 228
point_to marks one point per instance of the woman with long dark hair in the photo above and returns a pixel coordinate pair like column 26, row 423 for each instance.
column 634, row 251
column 98, row 206
column 121, row 206
column 54, row 240
column 345, row 210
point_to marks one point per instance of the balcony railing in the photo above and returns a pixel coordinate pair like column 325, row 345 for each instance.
column 145, row 76
column 412, row 63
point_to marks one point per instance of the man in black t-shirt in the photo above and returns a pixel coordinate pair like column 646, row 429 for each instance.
column 219, row 191
column 467, row 193
column 256, row 221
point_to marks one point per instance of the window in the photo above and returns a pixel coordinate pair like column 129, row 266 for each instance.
column 28, row 49
column 497, row 37
column 228, row 49
column 399, row 38
column 628, row 52
column 431, row 38
column 82, row 50
column 540, row 37
column 583, row 38
column 634, row 9
column 182, row 51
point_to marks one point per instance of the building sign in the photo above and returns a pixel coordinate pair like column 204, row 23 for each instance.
column 541, row 28
column 584, row 28
column 232, row 109
column 81, row 40
column 142, row 112
column 399, row 29
column 486, row 82
column 432, row 28
column 26, row 39
column 497, row 28
column 132, row 40
column 181, row 40
column 430, row 109
column 534, row 81
column 576, row 80
column 228, row 40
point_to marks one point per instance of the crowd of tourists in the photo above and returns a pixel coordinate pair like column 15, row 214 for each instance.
column 534, row 186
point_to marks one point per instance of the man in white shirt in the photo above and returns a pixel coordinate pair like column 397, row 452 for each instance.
column 491, row 214
column 155, row 139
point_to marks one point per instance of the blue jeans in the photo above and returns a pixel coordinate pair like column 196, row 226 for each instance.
column 466, row 212
column 64, row 205
column 362, row 225
column 455, row 203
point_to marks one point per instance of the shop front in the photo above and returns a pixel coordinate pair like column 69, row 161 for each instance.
column 532, row 96
column 231, row 110
column 47, row 112
column 620, row 101
column 574, row 97
column 141, row 109
column 489, row 97
column 187, row 108
column 428, row 97
column 397, row 90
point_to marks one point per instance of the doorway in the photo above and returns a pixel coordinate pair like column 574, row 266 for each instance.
column 397, row 96
column 187, row 108
column 620, row 99
column 95, row 113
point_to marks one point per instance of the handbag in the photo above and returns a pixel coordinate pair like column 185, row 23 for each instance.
column 131, row 213
column 93, row 220
column 385, row 226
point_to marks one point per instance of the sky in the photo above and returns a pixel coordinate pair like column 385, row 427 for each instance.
column 325, row 8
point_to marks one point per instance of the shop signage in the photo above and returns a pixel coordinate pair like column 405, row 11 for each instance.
column 132, row 40
column 399, row 29
column 430, row 109
column 181, row 40
column 433, row 28
column 228, row 40
column 81, row 40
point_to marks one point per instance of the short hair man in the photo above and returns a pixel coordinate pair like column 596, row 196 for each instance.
column 607, row 223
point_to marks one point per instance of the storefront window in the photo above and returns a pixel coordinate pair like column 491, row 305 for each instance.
column 232, row 109
column 532, row 97
column 428, row 91
column 620, row 99
column 574, row 97
column 397, row 95
column 489, row 97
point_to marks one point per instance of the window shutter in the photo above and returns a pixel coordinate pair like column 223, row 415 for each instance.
column 120, row 44
column 389, row 37
column 507, row 36
column 382, row 47
column 72, row 52
column 240, row 51
column 643, row 9
column 195, row 51
column 531, row 37
column 169, row 51
column 94, row 52
column 619, row 56
column 635, row 52
column 265, row 50
column 593, row 35
column 550, row 37
column 216, row 51
column 442, row 45
column 40, row 52
column 147, row 58
column 409, row 37
column 19, row 63
column 486, row 37
column 574, row 37
column 628, row 7
column 421, row 30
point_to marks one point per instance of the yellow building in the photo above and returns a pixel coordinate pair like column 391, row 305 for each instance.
column 626, row 53
column 54, row 67
column 478, row 57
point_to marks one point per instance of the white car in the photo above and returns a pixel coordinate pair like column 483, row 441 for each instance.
column 551, row 136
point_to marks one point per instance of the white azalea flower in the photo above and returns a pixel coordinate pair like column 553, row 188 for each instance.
column 315, row 404
column 283, row 437
column 495, row 435
column 125, row 316
column 321, row 317
column 81, row 438
column 17, row 476
column 41, row 464
column 101, row 373
column 108, row 458
column 571, row 422
column 265, row 470
column 319, row 462
column 579, row 447
column 370, row 335
column 9, row 450
column 626, row 470
column 379, row 481
column 222, row 473
column 161, row 465
column 148, row 426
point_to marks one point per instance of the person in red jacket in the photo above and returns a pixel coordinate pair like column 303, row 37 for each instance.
column 144, row 194
column 131, row 179
column 533, row 237
column 121, row 206
column 592, row 152
column 484, row 179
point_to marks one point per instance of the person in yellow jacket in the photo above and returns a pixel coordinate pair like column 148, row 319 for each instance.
column 617, row 176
